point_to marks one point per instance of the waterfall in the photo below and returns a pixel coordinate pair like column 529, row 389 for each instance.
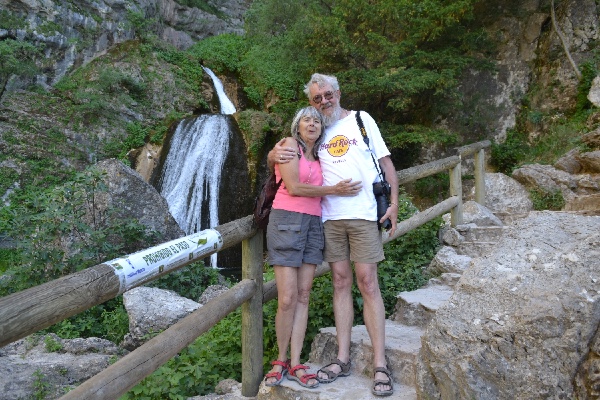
column 192, row 169
column 227, row 106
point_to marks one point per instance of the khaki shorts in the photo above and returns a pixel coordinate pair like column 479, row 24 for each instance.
column 354, row 239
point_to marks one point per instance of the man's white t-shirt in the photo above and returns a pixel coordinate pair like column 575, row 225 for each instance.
column 343, row 154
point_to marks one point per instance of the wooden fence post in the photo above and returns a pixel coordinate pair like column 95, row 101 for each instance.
column 456, row 214
column 252, row 317
column 480, row 177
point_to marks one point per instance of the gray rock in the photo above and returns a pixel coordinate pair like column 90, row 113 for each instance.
column 446, row 260
column 152, row 310
column 592, row 139
column 503, row 194
column 590, row 161
column 106, row 24
column 27, row 363
column 211, row 292
column 451, row 236
column 594, row 93
column 521, row 319
column 475, row 213
column 569, row 163
column 134, row 198
column 546, row 178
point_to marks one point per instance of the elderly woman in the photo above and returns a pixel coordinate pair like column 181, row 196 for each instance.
column 295, row 242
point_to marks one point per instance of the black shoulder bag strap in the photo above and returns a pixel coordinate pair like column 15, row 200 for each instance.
column 363, row 132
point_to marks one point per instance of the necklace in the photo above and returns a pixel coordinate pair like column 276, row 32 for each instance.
column 309, row 170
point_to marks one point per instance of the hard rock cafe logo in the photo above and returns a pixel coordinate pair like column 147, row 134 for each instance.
column 338, row 145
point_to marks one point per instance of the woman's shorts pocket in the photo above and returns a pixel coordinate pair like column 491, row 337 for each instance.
column 288, row 237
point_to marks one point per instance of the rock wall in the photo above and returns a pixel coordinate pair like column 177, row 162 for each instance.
column 522, row 319
column 75, row 33
column 531, row 69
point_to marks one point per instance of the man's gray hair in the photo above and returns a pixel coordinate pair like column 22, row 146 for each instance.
column 311, row 112
column 321, row 80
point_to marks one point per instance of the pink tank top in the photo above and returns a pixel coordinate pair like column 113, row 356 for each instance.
column 308, row 172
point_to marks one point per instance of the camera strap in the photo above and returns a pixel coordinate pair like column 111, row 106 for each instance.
column 363, row 132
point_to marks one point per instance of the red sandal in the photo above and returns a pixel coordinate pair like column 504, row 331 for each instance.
column 277, row 375
column 302, row 380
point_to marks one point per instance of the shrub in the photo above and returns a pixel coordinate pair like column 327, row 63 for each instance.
column 547, row 200
column 507, row 156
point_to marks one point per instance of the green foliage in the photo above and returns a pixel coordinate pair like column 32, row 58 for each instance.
column 435, row 187
column 108, row 320
column 98, row 97
column 10, row 21
column 41, row 387
column 52, row 345
column 204, row 6
column 589, row 71
column 189, row 69
column 17, row 57
column 406, row 257
column 8, row 258
column 137, row 135
column 505, row 157
column 220, row 53
column 391, row 58
column 544, row 200
column 41, row 224
column 197, row 369
column 145, row 28
column 189, row 281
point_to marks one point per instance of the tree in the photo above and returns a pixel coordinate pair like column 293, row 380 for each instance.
column 16, row 58
column 563, row 42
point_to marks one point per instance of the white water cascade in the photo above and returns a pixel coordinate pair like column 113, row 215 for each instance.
column 192, row 169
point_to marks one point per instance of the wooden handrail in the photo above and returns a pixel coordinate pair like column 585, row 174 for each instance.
column 424, row 170
column 118, row 378
column 41, row 306
column 470, row 149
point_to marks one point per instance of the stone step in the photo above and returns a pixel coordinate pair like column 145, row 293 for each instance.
column 484, row 233
column 416, row 308
column 447, row 278
column 353, row 387
column 402, row 344
column 475, row 249
column 509, row 218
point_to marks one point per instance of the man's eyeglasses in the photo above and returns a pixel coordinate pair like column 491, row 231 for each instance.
column 318, row 98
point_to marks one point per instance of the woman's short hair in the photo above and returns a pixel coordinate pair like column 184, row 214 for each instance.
column 311, row 112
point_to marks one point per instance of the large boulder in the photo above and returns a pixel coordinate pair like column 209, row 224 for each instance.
column 134, row 198
column 503, row 194
column 521, row 321
column 547, row 179
column 151, row 311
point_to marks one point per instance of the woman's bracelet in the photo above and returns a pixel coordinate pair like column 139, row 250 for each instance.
column 394, row 204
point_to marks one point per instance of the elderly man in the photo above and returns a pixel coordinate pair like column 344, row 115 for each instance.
column 350, row 223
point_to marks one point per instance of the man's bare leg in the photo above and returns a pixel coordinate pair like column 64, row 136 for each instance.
column 374, row 315
column 341, row 275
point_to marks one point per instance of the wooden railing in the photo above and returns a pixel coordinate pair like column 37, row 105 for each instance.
column 39, row 307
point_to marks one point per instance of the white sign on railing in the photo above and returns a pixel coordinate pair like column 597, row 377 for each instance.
column 138, row 267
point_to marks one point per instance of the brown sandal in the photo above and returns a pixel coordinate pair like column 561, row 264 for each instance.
column 332, row 376
column 380, row 382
